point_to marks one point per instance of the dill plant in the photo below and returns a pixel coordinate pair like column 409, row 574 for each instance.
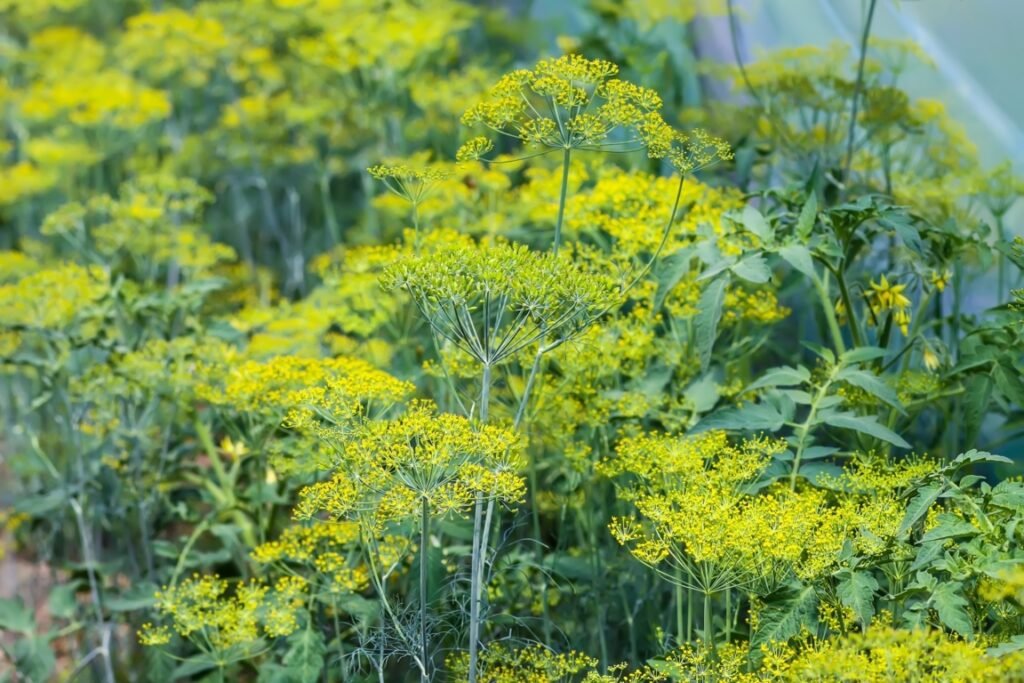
column 537, row 412
column 494, row 301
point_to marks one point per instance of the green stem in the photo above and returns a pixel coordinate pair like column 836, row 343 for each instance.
column 1001, row 267
column 830, row 313
column 728, row 615
column 183, row 556
column 424, row 597
column 329, row 214
column 858, row 86
column 485, row 392
column 474, row 605
column 561, row 200
column 851, row 314
column 805, row 428
column 94, row 590
column 689, row 615
column 709, row 639
column 680, row 619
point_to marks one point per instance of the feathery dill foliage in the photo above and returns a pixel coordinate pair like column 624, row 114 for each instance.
column 485, row 411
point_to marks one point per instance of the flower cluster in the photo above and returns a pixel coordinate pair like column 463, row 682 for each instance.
column 576, row 103
column 494, row 301
column 228, row 620
column 388, row 470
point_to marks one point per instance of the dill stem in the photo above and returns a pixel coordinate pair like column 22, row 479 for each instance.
column 858, row 86
column 709, row 640
column 480, row 530
column 728, row 616
column 561, row 200
column 94, row 591
column 681, row 624
column 424, row 567
column 689, row 614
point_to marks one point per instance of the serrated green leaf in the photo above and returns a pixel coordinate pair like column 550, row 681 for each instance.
column 753, row 268
column 951, row 607
column 808, row 215
column 786, row 614
column 751, row 417
column 305, row 656
column 671, row 270
column 34, row 660
column 919, row 505
column 949, row 526
column 976, row 402
column 37, row 506
column 158, row 664
column 856, row 589
column 784, row 376
column 818, row 452
column 865, row 425
column 1014, row 644
column 702, row 394
column 137, row 597
column 62, row 602
column 757, row 224
column 707, row 319
column 799, row 256
column 862, row 354
column 975, row 456
column 873, row 385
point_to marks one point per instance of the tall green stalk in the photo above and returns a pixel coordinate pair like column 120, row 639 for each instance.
column 858, row 86
column 480, row 531
column 561, row 200
column 424, row 595
column 709, row 638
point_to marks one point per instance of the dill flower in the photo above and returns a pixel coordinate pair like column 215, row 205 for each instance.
column 883, row 653
column 104, row 98
column 411, row 184
column 190, row 46
column 333, row 550
column 225, row 617
column 494, row 301
column 572, row 102
column 503, row 664
column 155, row 220
column 299, row 389
column 695, row 512
column 53, row 298
column 24, row 179
column 387, row 468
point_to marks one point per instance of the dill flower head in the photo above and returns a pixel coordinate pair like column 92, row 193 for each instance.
column 154, row 220
column 53, row 298
column 225, row 617
column 332, row 550
column 386, row 469
column 107, row 98
column 883, row 653
column 320, row 396
column 501, row 663
column 494, row 301
column 412, row 184
column 698, row 512
column 172, row 44
column 572, row 102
